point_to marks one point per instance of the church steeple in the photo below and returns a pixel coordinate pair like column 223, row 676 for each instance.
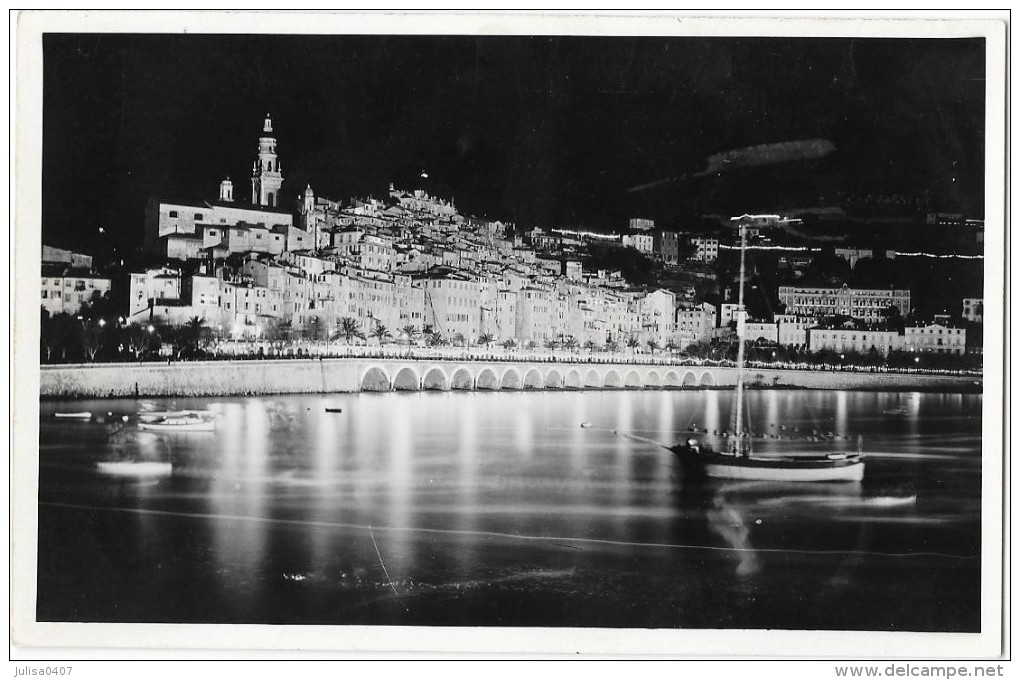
column 266, row 177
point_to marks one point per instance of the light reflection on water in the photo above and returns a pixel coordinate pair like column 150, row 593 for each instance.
column 499, row 509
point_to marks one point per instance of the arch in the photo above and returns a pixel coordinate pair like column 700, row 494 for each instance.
column 533, row 380
column 375, row 379
column 592, row 379
column 406, row 380
column 652, row 379
column 690, row 380
column 572, row 379
column 435, row 379
column 707, row 379
column 672, row 379
column 553, row 379
column 487, row 380
column 612, row 379
column 632, row 380
column 511, row 380
column 462, row 380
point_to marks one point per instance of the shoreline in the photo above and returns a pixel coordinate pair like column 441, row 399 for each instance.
column 330, row 376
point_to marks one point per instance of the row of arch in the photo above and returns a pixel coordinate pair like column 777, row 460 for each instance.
column 407, row 378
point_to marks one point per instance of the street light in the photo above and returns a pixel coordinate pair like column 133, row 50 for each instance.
column 151, row 328
column 102, row 322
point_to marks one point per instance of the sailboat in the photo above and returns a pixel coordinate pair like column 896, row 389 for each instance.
column 739, row 461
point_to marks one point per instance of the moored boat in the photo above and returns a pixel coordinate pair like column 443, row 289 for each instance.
column 188, row 423
column 78, row 415
column 135, row 468
column 698, row 459
column 160, row 415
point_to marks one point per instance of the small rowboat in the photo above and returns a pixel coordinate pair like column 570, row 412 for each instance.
column 80, row 415
column 135, row 468
column 160, row 415
column 180, row 424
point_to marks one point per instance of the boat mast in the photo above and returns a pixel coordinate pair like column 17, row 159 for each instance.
column 738, row 426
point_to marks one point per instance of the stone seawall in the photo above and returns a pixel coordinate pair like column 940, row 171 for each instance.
column 847, row 380
column 219, row 378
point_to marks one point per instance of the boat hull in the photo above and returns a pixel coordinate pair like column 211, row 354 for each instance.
column 207, row 426
column 135, row 468
column 83, row 415
column 852, row 472
column 150, row 416
column 751, row 468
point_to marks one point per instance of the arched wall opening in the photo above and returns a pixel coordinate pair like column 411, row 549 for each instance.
column 462, row 380
column 375, row 380
column 406, row 380
column 487, row 380
column 533, row 380
column 435, row 379
column 511, row 380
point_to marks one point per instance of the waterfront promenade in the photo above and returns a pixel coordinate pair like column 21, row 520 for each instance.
column 386, row 373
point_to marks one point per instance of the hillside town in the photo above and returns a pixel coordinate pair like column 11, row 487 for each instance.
column 316, row 274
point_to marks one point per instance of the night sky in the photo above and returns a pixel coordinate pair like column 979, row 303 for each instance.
column 541, row 131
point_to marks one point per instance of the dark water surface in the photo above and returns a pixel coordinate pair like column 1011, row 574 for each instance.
column 499, row 509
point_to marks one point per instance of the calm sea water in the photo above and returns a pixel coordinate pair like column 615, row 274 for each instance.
column 498, row 509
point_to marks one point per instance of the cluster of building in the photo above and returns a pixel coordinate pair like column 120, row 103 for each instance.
column 68, row 281
column 411, row 260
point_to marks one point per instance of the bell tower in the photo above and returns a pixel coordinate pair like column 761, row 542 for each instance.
column 266, row 177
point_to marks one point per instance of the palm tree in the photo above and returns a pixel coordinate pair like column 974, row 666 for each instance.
column 193, row 328
column 652, row 346
column 435, row 339
column 348, row 328
column 633, row 343
column 509, row 344
column 551, row 344
column 571, row 343
column 612, row 347
column 590, row 346
column 486, row 339
column 410, row 331
column 459, row 339
column 380, row 332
